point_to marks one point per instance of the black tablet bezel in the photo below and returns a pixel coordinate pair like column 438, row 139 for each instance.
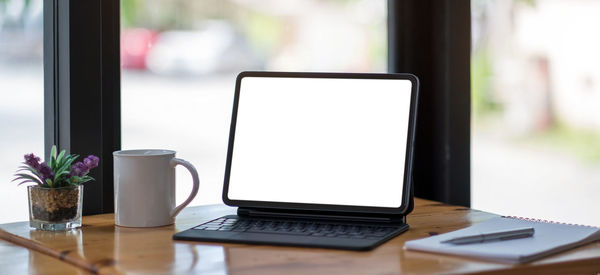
column 406, row 198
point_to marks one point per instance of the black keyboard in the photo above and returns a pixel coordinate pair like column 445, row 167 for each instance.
column 349, row 235
column 313, row 228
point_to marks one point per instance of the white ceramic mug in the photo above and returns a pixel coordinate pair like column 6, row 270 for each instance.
column 145, row 187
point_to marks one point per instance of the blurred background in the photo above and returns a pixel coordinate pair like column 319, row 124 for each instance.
column 536, row 109
column 179, row 63
column 21, row 98
column 535, row 128
column 180, row 59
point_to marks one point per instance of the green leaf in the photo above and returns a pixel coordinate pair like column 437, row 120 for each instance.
column 49, row 182
column 64, row 168
column 33, row 171
column 84, row 181
column 53, row 152
column 74, row 180
column 28, row 169
column 69, row 160
column 60, row 157
column 63, row 172
column 58, row 178
column 25, row 181
column 19, row 178
column 27, row 177
column 52, row 160
column 68, row 166
column 73, row 157
column 22, row 175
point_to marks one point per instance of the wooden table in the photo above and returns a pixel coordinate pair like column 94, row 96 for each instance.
column 108, row 249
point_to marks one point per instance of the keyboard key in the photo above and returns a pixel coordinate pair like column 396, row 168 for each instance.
column 277, row 231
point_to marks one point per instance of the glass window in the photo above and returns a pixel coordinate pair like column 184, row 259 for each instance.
column 21, row 104
column 536, row 120
column 180, row 60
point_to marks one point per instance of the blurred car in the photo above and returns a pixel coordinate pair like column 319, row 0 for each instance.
column 135, row 46
column 215, row 48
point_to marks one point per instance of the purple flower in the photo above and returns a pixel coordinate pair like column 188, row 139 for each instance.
column 75, row 172
column 84, row 168
column 32, row 161
column 45, row 172
column 91, row 162
column 81, row 169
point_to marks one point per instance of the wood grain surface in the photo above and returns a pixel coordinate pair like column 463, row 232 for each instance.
column 101, row 247
column 18, row 260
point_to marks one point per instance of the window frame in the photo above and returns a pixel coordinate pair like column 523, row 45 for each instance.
column 82, row 88
column 432, row 39
column 426, row 37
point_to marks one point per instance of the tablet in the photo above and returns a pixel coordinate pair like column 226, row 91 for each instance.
column 339, row 142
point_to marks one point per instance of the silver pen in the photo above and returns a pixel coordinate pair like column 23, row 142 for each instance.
column 493, row 236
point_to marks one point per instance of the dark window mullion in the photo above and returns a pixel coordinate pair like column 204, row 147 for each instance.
column 432, row 39
column 82, row 87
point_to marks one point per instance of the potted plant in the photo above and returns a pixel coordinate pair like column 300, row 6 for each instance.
column 56, row 197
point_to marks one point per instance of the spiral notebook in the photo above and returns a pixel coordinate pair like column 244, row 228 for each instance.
column 549, row 238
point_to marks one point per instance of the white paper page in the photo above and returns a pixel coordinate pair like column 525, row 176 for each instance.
column 547, row 237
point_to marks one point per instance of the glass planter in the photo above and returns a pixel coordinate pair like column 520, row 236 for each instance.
column 55, row 209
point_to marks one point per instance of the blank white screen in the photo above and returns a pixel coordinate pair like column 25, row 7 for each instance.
column 321, row 141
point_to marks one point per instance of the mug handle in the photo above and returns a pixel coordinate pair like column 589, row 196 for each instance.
column 174, row 162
